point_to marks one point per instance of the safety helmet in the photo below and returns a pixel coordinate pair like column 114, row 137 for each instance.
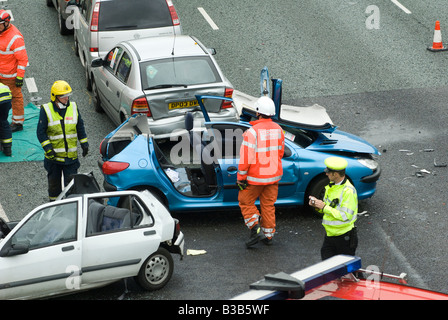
column 335, row 164
column 265, row 105
column 60, row 88
column 4, row 16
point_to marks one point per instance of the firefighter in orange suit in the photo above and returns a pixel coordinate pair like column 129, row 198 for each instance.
column 13, row 62
column 259, row 170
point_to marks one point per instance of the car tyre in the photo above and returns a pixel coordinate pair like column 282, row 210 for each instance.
column 156, row 271
column 76, row 44
column 316, row 189
column 63, row 30
column 88, row 80
column 96, row 98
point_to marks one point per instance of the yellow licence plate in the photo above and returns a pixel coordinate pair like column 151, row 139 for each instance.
column 183, row 104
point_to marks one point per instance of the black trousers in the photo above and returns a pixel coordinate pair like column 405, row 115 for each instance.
column 343, row 244
column 54, row 175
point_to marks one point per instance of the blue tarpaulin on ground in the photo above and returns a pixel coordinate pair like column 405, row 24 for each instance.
column 25, row 146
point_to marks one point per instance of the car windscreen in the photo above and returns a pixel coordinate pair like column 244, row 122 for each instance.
column 133, row 14
column 172, row 72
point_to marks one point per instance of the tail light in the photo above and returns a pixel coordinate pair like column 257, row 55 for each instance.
column 112, row 167
column 173, row 13
column 140, row 105
column 228, row 94
column 95, row 15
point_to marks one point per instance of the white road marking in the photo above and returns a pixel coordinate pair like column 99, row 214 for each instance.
column 207, row 18
column 411, row 272
column 3, row 214
column 31, row 85
column 402, row 7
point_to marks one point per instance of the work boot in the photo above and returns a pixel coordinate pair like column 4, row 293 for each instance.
column 267, row 241
column 6, row 150
column 16, row 127
column 255, row 236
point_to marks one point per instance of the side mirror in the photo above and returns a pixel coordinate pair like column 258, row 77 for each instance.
column 189, row 121
column 97, row 63
column 212, row 51
column 12, row 250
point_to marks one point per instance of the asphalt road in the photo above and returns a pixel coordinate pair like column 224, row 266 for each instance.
column 381, row 84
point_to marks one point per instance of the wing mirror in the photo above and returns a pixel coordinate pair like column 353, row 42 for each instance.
column 10, row 250
column 98, row 62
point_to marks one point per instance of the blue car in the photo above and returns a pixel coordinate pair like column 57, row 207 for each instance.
column 196, row 169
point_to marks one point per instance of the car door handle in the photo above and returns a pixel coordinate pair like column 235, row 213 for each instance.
column 68, row 248
column 148, row 233
column 232, row 169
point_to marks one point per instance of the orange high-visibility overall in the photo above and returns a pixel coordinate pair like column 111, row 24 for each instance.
column 13, row 62
column 261, row 166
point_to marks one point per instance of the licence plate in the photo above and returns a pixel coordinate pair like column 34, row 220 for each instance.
column 183, row 104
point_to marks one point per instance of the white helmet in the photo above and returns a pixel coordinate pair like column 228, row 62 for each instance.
column 265, row 105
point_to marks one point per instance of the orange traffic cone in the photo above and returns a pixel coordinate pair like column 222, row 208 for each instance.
column 437, row 44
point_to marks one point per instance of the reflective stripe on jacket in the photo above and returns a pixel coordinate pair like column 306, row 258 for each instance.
column 261, row 153
column 340, row 217
column 64, row 141
column 5, row 93
column 13, row 56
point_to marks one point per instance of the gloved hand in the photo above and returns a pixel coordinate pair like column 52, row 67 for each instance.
column 50, row 154
column 242, row 184
column 19, row 82
column 85, row 150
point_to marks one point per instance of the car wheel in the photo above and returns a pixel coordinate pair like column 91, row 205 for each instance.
column 96, row 98
column 63, row 30
column 88, row 81
column 316, row 189
column 156, row 271
column 76, row 44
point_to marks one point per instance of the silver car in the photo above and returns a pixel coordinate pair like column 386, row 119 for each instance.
column 160, row 76
column 101, row 24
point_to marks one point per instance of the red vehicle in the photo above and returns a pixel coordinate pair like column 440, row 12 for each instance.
column 339, row 277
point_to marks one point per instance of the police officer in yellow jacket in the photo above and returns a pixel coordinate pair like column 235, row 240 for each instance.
column 340, row 209
column 5, row 129
column 58, row 131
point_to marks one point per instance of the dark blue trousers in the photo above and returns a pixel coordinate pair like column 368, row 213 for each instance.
column 5, row 129
column 55, row 171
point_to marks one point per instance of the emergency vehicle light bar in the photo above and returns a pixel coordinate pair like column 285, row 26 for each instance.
column 283, row 286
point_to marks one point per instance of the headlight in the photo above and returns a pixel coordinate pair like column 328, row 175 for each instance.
column 369, row 163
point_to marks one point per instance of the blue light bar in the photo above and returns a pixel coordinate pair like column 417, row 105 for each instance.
column 312, row 277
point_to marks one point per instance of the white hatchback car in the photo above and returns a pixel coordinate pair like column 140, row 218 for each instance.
column 101, row 24
column 160, row 77
column 88, row 240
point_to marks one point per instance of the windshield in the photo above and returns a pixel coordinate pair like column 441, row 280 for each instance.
column 173, row 72
column 133, row 14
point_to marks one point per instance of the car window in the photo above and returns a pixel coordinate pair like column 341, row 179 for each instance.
column 134, row 14
column 179, row 71
column 112, row 58
column 49, row 226
column 124, row 67
column 105, row 215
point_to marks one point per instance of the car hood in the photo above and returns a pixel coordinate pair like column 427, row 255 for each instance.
column 341, row 141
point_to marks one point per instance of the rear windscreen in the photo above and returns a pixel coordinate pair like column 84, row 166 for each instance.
column 183, row 71
column 133, row 14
